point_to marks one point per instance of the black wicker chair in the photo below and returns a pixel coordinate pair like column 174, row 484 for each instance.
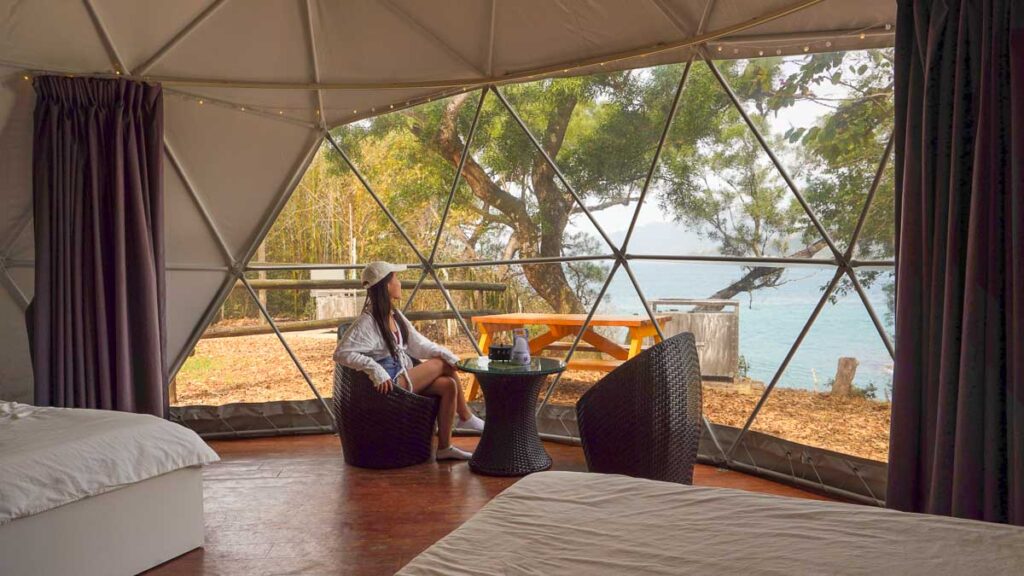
column 644, row 418
column 381, row 430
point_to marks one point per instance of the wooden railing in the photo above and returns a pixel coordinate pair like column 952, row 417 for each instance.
column 326, row 323
column 343, row 284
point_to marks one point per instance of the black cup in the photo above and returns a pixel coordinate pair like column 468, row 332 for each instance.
column 500, row 352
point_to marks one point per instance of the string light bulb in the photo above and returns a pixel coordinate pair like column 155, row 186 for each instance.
column 778, row 52
column 828, row 44
column 27, row 77
column 807, row 48
column 760, row 52
column 888, row 26
column 863, row 35
column 735, row 50
column 280, row 112
column 719, row 48
column 200, row 101
column 242, row 108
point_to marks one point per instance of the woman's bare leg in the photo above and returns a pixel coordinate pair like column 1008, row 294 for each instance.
column 461, row 408
column 428, row 378
column 444, row 387
column 424, row 374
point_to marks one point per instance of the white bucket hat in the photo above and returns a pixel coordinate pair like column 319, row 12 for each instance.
column 377, row 271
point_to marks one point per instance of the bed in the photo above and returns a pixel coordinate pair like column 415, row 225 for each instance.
column 595, row 524
column 96, row 492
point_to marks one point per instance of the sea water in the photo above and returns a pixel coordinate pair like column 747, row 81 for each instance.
column 771, row 320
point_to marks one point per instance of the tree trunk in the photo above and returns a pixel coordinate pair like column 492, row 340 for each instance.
column 533, row 238
column 550, row 283
column 845, row 372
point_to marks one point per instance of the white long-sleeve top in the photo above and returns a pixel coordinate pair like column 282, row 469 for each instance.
column 363, row 343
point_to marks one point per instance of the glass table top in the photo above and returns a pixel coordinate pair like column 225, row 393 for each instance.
column 484, row 365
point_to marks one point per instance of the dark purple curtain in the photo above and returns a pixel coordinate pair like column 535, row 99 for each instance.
column 957, row 444
column 98, row 312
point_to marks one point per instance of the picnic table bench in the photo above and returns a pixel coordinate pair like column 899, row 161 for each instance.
column 561, row 326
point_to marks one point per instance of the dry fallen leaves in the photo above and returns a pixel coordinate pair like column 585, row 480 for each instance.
column 258, row 369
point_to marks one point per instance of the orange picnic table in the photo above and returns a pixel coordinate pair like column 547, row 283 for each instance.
column 561, row 326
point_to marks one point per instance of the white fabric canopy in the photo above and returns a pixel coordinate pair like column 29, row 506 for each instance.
column 267, row 70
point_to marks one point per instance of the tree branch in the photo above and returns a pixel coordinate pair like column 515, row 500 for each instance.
column 450, row 146
column 759, row 277
column 605, row 205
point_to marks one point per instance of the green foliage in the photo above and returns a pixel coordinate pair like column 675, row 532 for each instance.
column 715, row 177
column 841, row 154
column 869, row 392
column 199, row 368
column 602, row 130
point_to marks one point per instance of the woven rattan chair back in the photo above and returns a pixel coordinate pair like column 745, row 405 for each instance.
column 644, row 418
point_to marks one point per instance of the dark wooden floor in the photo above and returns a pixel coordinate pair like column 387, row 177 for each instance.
column 291, row 506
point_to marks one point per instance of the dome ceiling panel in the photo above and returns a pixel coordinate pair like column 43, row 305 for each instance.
column 381, row 42
column 239, row 163
column 140, row 28
column 258, row 40
column 53, row 35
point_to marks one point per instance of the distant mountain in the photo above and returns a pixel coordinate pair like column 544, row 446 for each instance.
column 676, row 239
column 664, row 238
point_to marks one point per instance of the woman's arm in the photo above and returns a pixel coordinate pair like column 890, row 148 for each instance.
column 349, row 352
column 419, row 346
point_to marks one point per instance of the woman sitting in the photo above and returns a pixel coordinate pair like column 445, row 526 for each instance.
column 381, row 343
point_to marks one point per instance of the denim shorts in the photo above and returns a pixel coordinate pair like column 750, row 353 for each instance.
column 390, row 365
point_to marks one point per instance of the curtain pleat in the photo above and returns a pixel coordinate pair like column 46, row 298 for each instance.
column 99, row 333
column 957, row 441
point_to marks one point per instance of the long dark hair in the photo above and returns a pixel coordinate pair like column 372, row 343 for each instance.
column 381, row 310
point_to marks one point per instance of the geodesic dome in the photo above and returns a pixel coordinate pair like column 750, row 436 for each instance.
column 251, row 89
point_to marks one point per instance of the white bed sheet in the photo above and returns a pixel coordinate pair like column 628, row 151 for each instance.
column 53, row 456
column 555, row 523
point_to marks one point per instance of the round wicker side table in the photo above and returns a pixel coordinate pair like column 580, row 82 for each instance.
column 510, row 445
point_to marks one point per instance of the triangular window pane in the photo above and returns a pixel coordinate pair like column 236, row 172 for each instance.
column 332, row 219
column 550, row 300
column 744, row 320
column 409, row 158
column 240, row 359
column 877, row 240
column 827, row 116
column 512, row 205
column 620, row 329
column 836, row 391
column 716, row 191
column 602, row 130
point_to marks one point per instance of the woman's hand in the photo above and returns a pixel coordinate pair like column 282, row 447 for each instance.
column 385, row 386
column 448, row 368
